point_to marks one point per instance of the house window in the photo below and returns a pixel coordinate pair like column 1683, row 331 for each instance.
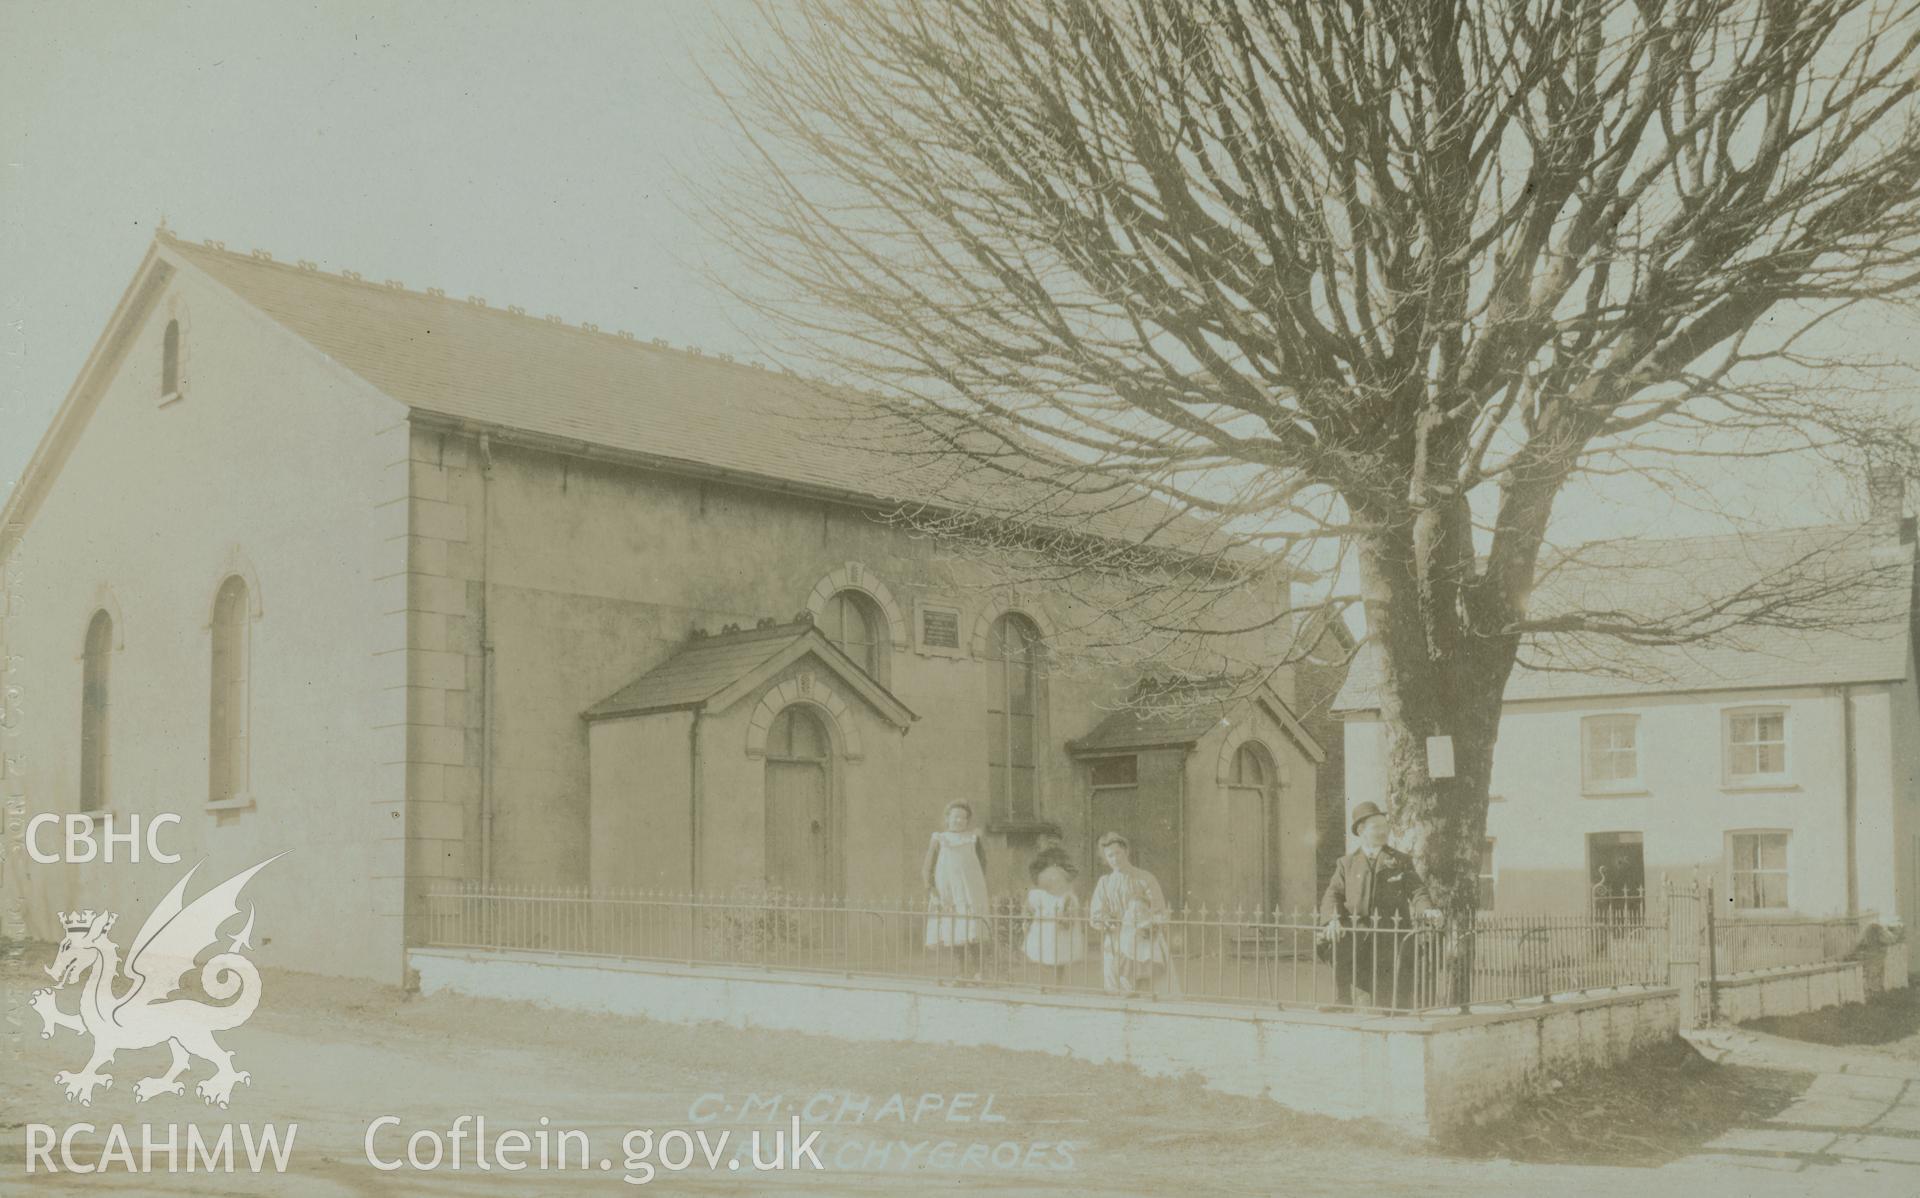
column 854, row 622
column 1759, row 870
column 1756, row 744
column 170, row 360
column 1015, row 695
column 1483, row 900
column 95, row 659
column 1610, row 753
column 227, row 720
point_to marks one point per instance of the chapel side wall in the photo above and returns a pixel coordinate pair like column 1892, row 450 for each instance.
column 597, row 572
column 279, row 466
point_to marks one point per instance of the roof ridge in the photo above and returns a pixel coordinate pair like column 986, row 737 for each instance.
column 1833, row 526
column 732, row 632
column 303, row 266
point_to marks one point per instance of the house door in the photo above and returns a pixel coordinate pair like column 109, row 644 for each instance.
column 799, row 804
column 1617, row 873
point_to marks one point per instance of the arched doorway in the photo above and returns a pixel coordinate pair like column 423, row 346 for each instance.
column 1249, row 827
column 799, row 756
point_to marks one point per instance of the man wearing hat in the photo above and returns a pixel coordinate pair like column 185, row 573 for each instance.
column 1370, row 906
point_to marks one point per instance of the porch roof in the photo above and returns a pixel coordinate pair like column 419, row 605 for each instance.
column 715, row 672
column 1181, row 721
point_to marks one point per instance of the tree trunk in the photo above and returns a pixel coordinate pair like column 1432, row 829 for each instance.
column 1437, row 678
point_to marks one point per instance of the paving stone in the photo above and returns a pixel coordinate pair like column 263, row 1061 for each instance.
column 1900, row 1118
column 1851, row 1085
column 1769, row 1139
column 1727, row 1160
column 1832, row 1112
column 1878, row 1148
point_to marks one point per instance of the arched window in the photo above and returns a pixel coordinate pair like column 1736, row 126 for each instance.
column 93, row 712
column 227, row 716
column 1015, row 699
column 799, row 758
column 1249, row 803
column 170, row 359
column 854, row 622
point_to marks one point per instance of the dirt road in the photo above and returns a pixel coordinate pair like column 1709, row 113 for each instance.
column 333, row 1057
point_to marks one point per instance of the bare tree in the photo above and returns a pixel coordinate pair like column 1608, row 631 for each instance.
column 1391, row 275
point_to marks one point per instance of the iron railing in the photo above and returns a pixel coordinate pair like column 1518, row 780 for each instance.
column 1242, row 955
column 1513, row 957
column 1743, row 944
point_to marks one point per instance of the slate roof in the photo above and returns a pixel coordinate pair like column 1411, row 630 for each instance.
column 1152, row 728
column 1182, row 717
column 706, row 668
column 699, row 671
column 472, row 362
column 1860, row 593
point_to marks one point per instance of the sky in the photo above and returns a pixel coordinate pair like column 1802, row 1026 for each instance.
column 548, row 155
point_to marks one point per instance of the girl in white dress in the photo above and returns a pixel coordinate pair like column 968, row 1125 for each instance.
column 1056, row 934
column 957, row 903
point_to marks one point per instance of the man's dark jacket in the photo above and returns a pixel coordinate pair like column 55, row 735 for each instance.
column 1388, row 888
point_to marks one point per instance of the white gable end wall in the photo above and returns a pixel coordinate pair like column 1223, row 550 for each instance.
column 280, row 466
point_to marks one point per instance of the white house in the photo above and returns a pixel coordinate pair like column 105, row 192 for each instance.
column 1783, row 762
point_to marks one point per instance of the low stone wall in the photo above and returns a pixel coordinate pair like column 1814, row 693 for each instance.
column 1480, row 1066
column 1419, row 1075
column 1745, row 997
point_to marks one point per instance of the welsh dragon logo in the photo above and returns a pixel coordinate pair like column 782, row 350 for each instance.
column 147, row 1013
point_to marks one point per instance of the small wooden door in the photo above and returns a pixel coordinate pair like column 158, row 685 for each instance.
column 1138, row 796
column 799, row 804
column 1112, row 802
column 1250, row 832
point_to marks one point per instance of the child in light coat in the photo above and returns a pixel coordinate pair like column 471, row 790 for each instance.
column 1130, row 913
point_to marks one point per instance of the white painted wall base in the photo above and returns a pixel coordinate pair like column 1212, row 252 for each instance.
column 1419, row 1075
